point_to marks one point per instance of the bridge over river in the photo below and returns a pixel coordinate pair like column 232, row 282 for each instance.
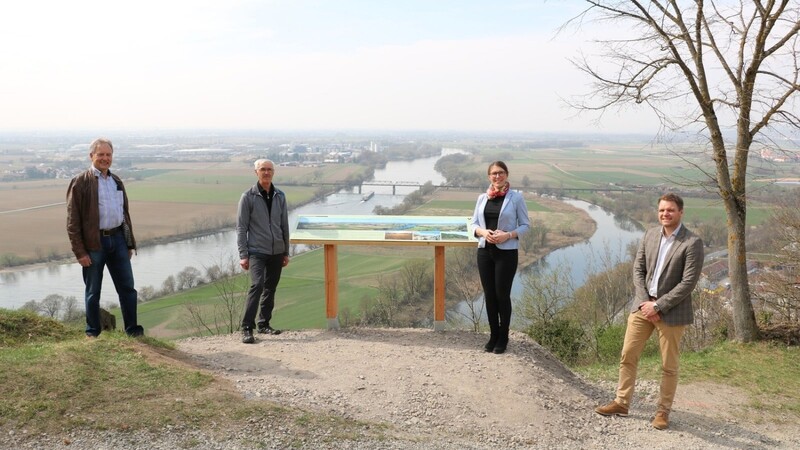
column 396, row 184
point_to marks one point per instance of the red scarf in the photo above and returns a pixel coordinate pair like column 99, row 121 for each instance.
column 492, row 192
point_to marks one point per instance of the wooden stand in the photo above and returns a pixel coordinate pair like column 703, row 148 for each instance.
column 332, row 276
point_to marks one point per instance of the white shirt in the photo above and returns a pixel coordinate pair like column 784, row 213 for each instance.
column 663, row 250
column 110, row 201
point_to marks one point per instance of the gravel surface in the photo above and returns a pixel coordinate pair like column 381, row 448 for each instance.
column 419, row 389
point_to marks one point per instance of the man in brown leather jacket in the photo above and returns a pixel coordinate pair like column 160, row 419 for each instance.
column 101, row 234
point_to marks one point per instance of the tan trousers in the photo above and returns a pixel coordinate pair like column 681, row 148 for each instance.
column 636, row 336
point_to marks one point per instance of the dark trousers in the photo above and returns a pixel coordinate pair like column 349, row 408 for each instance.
column 114, row 255
column 265, row 272
column 497, row 269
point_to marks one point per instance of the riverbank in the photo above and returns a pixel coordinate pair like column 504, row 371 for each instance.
column 159, row 240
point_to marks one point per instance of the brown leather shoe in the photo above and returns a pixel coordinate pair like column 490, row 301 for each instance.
column 612, row 409
column 661, row 421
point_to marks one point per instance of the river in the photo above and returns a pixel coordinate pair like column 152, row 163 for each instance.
column 153, row 264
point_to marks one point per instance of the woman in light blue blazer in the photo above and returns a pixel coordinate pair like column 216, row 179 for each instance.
column 500, row 218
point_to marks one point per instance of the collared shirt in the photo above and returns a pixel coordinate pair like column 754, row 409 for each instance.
column 110, row 201
column 663, row 250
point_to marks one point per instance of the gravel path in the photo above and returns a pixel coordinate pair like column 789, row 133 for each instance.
column 439, row 390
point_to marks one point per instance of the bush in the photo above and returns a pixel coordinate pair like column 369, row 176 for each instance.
column 562, row 337
column 609, row 342
column 10, row 260
column 18, row 327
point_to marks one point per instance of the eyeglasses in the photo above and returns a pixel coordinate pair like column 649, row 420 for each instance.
column 499, row 173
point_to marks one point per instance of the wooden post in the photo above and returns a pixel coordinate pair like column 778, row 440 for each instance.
column 438, row 289
column 331, row 287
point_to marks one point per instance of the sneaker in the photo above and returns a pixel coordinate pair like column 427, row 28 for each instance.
column 266, row 329
column 661, row 421
column 247, row 336
column 612, row 409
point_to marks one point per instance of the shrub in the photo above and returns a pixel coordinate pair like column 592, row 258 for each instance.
column 562, row 337
column 609, row 342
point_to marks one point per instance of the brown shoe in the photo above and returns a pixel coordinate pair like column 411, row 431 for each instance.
column 612, row 409
column 661, row 421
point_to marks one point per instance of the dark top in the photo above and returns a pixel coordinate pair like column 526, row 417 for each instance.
column 267, row 196
column 492, row 212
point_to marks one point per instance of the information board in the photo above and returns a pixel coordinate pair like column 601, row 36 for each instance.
column 382, row 228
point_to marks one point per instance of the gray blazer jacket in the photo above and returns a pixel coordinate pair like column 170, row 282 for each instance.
column 678, row 278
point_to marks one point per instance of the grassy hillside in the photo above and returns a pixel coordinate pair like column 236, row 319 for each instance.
column 53, row 379
column 300, row 298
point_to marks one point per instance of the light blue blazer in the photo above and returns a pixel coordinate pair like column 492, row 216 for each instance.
column 513, row 217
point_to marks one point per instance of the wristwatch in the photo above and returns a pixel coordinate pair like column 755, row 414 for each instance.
column 655, row 307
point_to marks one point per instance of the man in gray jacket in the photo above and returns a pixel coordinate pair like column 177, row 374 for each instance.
column 262, row 230
column 665, row 272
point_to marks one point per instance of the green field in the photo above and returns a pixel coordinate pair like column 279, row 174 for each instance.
column 182, row 193
column 603, row 178
column 707, row 210
column 224, row 185
column 208, row 193
column 300, row 298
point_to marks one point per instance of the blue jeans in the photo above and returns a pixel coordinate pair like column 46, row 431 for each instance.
column 265, row 272
column 114, row 255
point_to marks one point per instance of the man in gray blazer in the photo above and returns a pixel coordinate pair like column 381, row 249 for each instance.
column 667, row 266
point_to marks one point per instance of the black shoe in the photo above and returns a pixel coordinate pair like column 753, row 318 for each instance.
column 137, row 331
column 247, row 336
column 489, row 347
column 267, row 330
column 500, row 347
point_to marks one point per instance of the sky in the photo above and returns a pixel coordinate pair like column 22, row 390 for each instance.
column 447, row 65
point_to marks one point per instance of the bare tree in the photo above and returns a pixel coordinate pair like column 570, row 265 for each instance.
column 605, row 295
column 712, row 320
column 779, row 290
column 188, row 278
column 70, row 310
column 384, row 309
column 214, row 273
column 30, row 305
column 146, row 293
column 463, row 284
column 727, row 71
column 169, row 285
column 221, row 317
column 401, row 299
column 547, row 292
column 535, row 238
column 50, row 306
column 416, row 281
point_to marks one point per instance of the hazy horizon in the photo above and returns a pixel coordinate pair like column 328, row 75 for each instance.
column 298, row 66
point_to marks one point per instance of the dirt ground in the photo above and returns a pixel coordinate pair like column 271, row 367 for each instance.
column 441, row 387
